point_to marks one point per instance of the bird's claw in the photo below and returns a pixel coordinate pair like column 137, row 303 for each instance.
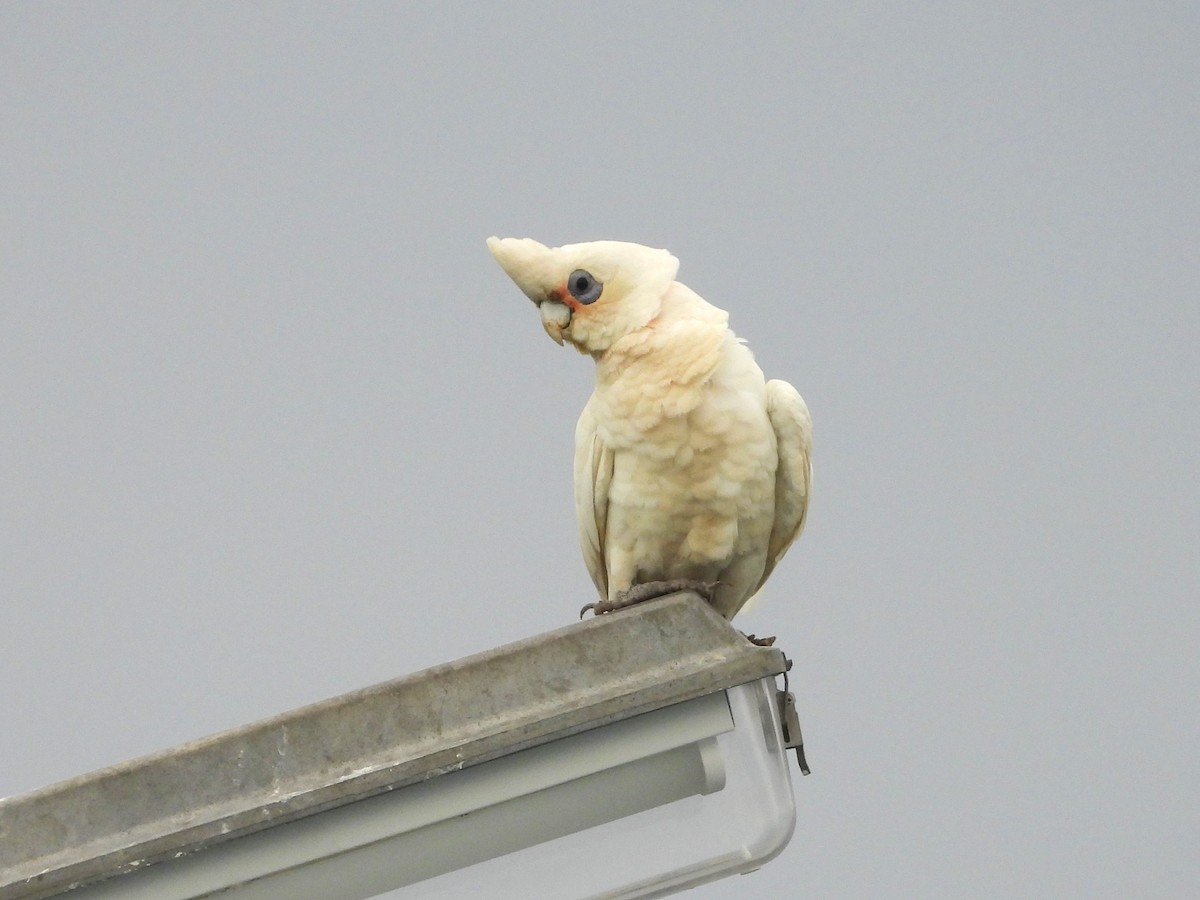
column 602, row 607
column 651, row 590
column 760, row 642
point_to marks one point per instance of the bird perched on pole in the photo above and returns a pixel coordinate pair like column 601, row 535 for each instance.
column 692, row 472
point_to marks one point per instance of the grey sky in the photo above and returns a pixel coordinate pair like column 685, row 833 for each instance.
column 275, row 425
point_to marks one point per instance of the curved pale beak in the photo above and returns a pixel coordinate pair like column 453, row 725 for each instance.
column 536, row 271
column 556, row 318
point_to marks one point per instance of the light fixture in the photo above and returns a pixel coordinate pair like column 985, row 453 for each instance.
column 631, row 755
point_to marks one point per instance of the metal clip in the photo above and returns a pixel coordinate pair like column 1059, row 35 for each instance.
column 792, row 738
column 790, row 719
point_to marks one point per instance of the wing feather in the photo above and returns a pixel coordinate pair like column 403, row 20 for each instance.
column 593, row 475
column 792, row 423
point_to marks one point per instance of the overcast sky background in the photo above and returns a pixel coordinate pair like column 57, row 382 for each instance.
column 275, row 426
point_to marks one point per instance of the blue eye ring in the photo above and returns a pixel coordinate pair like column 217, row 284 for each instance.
column 584, row 287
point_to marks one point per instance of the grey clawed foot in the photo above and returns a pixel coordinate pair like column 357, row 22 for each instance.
column 760, row 642
column 651, row 590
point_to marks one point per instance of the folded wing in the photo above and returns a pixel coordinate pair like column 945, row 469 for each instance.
column 792, row 423
column 593, row 475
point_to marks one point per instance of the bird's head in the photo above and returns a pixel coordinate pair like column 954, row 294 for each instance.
column 589, row 294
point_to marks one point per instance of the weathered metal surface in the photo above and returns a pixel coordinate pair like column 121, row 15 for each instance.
column 369, row 741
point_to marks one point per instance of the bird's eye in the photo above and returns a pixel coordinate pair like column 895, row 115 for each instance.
column 584, row 287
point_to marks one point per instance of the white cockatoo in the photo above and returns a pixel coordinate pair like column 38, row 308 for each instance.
column 691, row 470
